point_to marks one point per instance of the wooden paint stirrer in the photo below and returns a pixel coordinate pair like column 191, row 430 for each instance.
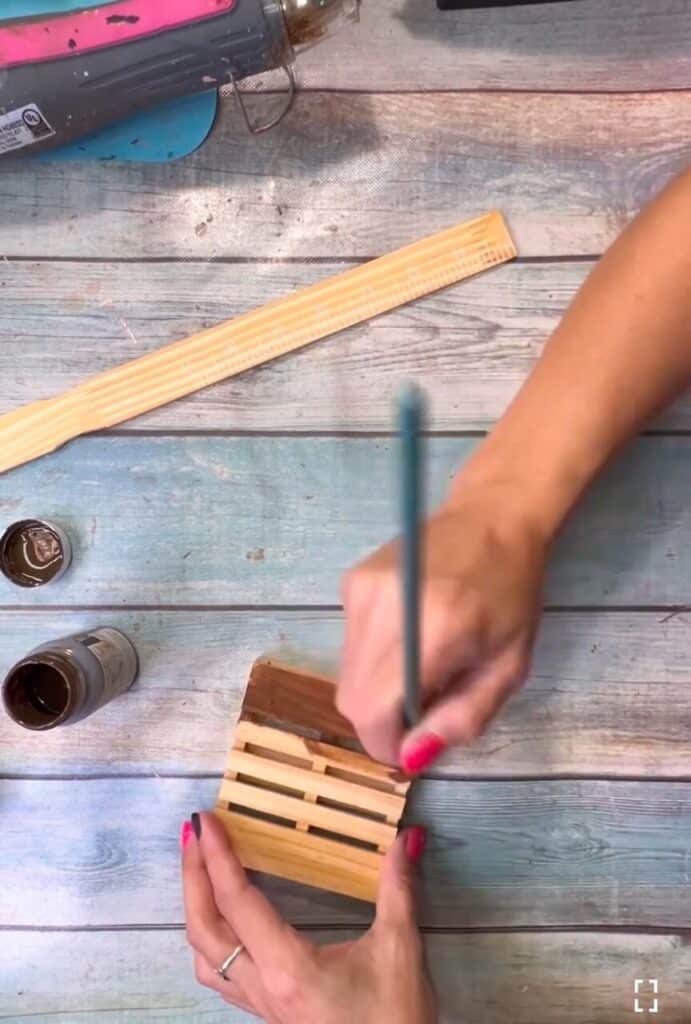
column 253, row 338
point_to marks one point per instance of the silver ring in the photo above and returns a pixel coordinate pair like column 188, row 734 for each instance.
column 229, row 961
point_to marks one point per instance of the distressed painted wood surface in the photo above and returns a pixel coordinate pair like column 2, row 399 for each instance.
column 609, row 695
column 485, row 979
column 361, row 174
column 501, row 854
column 471, row 346
column 407, row 44
column 347, row 177
column 275, row 520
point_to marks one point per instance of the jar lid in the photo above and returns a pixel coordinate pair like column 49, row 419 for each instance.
column 34, row 552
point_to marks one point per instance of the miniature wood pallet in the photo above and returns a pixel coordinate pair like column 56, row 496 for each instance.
column 298, row 799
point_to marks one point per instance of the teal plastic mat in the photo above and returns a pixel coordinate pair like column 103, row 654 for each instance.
column 11, row 9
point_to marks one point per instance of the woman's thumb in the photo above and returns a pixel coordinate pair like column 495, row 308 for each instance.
column 397, row 883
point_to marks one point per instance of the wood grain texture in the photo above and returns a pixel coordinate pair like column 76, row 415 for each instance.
column 483, row 979
column 360, row 174
column 500, row 854
column 258, row 336
column 272, row 520
column 277, row 694
column 302, row 857
column 471, row 346
column 609, row 694
column 408, row 44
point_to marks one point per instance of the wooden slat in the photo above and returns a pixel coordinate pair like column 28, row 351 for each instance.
column 501, row 854
column 240, row 795
column 408, row 45
column 486, row 979
column 275, row 694
column 259, row 336
column 470, row 346
column 312, row 860
column 358, row 175
column 305, row 781
column 327, row 755
column 609, row 694
column 273, row 520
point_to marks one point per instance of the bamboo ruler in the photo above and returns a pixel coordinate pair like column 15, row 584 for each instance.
column 256, row 337
column 296, row 799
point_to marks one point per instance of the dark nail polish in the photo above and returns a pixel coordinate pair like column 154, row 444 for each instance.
column 196, row 825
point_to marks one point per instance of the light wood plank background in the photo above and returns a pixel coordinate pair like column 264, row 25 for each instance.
column 217, row 529
column 406, row 45
column 486, row 979
column 471, row 347
column 358, row 174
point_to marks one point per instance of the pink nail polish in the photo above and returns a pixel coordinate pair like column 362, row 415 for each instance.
column 186, row 834
column 415, row 843
column 421, row 752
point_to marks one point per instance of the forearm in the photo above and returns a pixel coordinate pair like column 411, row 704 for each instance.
column 622, row 351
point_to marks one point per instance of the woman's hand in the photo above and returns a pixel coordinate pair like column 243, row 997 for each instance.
column 280, row 976
column 481, row 586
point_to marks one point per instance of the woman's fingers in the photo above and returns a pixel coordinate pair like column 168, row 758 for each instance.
column 230, row 990
column 464, row 713
column 398, row 878
column 270, row 942
column 207, row 932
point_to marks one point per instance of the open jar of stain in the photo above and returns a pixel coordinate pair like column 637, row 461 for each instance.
column 34, row 553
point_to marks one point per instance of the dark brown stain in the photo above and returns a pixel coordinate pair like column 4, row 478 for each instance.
column 122, row 19
column 256, row 555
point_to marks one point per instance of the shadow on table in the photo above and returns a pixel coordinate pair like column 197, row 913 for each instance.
column 618, row 28
column 232, row 175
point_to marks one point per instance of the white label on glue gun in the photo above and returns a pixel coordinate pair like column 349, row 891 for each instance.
column 22, row 127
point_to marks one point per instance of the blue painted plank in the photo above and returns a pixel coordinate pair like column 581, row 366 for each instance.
column 214, row 521
column 501, row 854
column 529, row 978
column 609, row 694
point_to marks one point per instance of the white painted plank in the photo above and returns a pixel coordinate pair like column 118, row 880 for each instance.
column 484, row 979
column 609, row 695
column 471, row 347
column 276, row 520
column 360, row 174
column 501, row 854
column 409, row 44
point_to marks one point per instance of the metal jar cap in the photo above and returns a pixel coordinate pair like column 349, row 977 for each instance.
column 33, row 553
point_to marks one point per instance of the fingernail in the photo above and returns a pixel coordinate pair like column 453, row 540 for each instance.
column 415, row 843
column 421, row 752
column 197, row 825
column 185, row 834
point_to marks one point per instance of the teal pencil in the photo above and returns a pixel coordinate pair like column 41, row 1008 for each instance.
column 411, row 407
